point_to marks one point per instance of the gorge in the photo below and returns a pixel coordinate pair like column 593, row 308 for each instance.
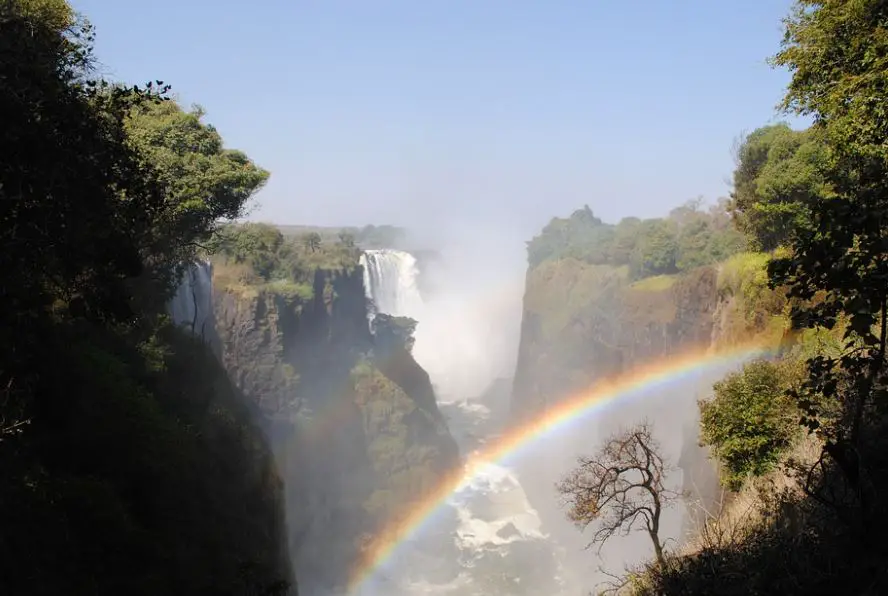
column 361, row 429
column 194, row 403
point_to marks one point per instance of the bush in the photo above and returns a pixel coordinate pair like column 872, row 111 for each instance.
column 750, row 421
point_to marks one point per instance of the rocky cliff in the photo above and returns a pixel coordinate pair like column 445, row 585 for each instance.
column 355, row 429
column 584, row 322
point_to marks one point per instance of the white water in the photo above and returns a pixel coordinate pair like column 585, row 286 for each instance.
column 192, row 304
column 390, row 281
column 488, row 540
column 468, row 328
column 491, row 540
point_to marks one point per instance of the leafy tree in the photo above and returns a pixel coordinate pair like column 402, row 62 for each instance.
column 621, row 486
column 257, row 244
column 625, row 238
column 204, row 182
column 75, row 199
column 656, row 252
column 749, row 421
column 779, row 174
column 837, row 52
column 390, row 331
column 347, row 239
column 312, row 241
column 101, row 431
column 581, row 236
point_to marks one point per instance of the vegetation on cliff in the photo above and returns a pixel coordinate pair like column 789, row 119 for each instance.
column 130, row 464
column 353, row 417
column 689, row 237
column 800, row 437
column 366, row 237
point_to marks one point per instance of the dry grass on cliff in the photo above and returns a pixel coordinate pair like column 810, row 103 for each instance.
column 767, row 538
column 233, row 277
column 740, row 514
column 657, row 283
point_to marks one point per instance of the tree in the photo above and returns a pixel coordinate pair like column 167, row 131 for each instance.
column 312, row 241
column 392, row 332
column 837, row 52
column 347, row 239
column 581, row 236
column 779, row 174
column 749, row 421
column 625, row 237
column 656, row 252
column 105, row 413
column 205, row 183
column 621, row 486
column 257, row 244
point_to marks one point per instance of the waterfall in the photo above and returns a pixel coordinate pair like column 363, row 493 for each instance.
column 192, row 304
column 390, row 282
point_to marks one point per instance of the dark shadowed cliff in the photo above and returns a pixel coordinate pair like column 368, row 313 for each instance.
column 355, row 426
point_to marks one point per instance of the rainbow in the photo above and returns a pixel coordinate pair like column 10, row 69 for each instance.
column 604, row 393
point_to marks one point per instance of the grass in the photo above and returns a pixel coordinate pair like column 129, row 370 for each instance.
column 657, row 283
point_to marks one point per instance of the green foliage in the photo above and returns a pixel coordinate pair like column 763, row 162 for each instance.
column 312, row 241
column 838, row 268
column 657, row 283
column 129, row 463
column 749, row 422
column 705, row 238
column 796, row 546
column 367, row 237
column 285, row 265
column 346, row 239
column 391, row 332
column 824, row 193
column 688, row 238
column 141, row 481
column 258, row 245
column 64, row 229
column 779, row 174
column 204, row 182
column 581, row 236
column 656, row 250
column 404, row 469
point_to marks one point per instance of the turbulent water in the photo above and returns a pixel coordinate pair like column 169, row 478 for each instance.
column 487, row 539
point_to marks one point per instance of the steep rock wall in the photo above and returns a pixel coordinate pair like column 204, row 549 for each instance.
column 586, row 322
column 356, row 433
column 582, row 323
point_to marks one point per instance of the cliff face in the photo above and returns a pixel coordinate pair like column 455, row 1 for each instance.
column 356, row 432
column 584, row 322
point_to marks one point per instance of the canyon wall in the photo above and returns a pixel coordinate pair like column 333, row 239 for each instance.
column 355, row 429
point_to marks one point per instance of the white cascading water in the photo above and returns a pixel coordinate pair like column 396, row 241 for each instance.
column 489, row 540
column 390, row 281
column 192, row 304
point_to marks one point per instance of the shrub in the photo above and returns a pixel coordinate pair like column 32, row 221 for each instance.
column 750, row 421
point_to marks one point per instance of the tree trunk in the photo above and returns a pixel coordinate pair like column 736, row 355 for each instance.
column 654, row 533
column 658, row 549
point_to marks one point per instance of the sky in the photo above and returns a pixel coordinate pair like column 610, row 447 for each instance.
column 424, row 112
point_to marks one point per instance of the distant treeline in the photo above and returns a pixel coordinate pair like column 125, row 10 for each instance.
column 689, row 237
column 367, row 237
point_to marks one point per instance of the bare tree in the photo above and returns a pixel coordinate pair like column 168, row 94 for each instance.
column 620, row 487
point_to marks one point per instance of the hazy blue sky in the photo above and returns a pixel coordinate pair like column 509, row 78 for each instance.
column 392, row 110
